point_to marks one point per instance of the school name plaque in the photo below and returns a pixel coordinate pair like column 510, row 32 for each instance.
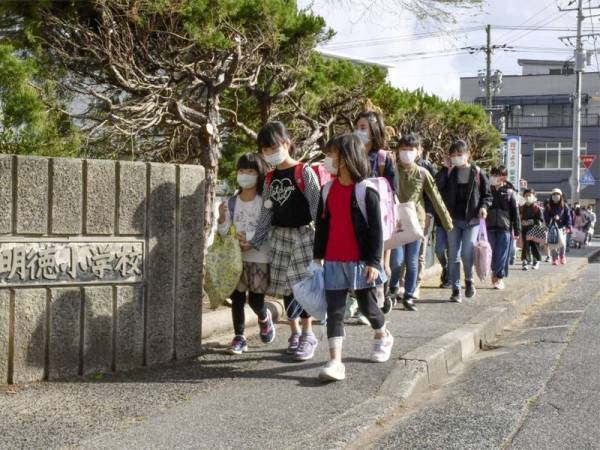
column 48, row 263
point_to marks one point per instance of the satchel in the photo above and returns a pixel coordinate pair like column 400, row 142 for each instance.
column 538, row 234
column 408, row 228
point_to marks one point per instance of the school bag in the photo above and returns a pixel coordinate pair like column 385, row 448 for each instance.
column 483, row 252
column 386, row 201
column 323, row 176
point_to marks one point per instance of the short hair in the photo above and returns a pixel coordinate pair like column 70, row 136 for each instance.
column 499, row 171
column 459, row 146
column 529, row 191
column 256, row 162
column 409, row 140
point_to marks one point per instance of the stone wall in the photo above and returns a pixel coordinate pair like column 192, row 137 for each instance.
column 100, row 265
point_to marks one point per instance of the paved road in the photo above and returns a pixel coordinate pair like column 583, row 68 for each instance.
column 537, row 388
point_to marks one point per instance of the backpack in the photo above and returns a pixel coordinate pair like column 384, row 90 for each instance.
column 323, row 176
column 386, row 202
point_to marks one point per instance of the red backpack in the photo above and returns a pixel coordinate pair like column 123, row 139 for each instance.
column 323, row 176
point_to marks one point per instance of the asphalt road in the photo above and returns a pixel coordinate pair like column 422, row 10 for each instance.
column 537, row 388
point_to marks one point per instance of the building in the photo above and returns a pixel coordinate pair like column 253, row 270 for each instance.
column 537, row 105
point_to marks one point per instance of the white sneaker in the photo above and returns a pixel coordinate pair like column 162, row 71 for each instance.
column 332, row 371
column 382, row 348
column 417, row 294
column 362, row 319
column 499, row 284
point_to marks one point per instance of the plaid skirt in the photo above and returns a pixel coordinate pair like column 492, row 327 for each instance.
column 291, row 254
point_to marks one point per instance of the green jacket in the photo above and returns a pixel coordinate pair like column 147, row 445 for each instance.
column 413, row 183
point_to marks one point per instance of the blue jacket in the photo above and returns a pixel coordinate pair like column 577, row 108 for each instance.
column 554, row 209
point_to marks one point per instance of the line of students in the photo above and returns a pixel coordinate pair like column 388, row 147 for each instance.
column 285, row 221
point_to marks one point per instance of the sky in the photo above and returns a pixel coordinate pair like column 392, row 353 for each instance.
column 381, row 35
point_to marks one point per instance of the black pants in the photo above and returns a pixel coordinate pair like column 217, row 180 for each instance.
column 238, row 301
column 336, row 306
column 530, row 249
column 293, row 309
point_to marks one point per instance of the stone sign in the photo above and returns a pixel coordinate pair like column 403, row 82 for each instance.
column 33, row 263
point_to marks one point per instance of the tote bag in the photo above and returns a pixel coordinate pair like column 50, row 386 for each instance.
column 483, row 252
column 538, row 234
column 408, row 228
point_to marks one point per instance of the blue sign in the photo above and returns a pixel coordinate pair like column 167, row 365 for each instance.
column 587, row 179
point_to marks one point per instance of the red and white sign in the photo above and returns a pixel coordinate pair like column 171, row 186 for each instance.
column 587, row 160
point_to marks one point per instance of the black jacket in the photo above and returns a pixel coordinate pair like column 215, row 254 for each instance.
column 369, row 235
column 531, row 215
column 479, row 195
column 504, row 212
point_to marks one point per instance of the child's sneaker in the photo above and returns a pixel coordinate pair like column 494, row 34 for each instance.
column 382, row 348
column 525, row 267
column 563, row 259
column 306, row 347
column 267, row 330
column 555, row 261
column 536, row 265
column 238, row 346
column 332, row 371
column 293, row 342
column 361, row 319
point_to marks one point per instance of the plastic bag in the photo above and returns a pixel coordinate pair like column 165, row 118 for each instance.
column 223, row 268
column 310, row 292
column 483, row 252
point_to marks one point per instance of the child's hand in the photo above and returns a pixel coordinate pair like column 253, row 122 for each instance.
column 222, row 211
column 245, row 246
column 371, row 274
column 241, row 236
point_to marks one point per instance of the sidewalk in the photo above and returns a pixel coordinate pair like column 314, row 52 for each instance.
column 262, row 399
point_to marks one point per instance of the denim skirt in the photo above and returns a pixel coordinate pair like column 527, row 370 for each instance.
column 349, row 275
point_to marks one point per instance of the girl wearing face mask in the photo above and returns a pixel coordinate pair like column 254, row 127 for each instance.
column 531, row 215
column 349, row 240
column 242, row 210
column 291, row 197
column 415, row 183
column 558, row 212
column 466, row 192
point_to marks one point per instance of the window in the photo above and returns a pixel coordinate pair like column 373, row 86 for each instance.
column 553, row 155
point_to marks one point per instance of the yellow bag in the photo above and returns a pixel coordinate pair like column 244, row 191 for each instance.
column 223, row 268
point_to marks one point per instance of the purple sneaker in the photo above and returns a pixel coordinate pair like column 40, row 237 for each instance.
column 293, row 343
column 306, row 347
column 267, row 330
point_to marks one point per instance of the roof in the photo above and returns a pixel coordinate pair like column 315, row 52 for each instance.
column 543, row 62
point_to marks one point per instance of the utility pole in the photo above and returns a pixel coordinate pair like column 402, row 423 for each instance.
column 488, row 69
column 579, row 66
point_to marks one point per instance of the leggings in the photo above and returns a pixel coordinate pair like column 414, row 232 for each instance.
column 238, row 300
column 531, row 252
column 293, row 308
column 336, row 306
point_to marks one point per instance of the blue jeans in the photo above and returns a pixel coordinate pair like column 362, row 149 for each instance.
column 460, row 247
column 501, row 242
column 441, row 245
column 409, row 255
column 396, row 258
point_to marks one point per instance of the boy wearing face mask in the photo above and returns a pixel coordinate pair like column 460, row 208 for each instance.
column 414, row 183
column 559, row 213
column 466, row 192
column 242, row 211
column 531, row 215
column 502, row 223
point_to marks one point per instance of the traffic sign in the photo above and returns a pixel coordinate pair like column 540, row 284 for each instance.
column 587, row 160
column 587, row 179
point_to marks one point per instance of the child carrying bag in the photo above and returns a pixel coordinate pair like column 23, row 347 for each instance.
column 310, row 292
column 556, row 237
column 537, row 234
column 223, row 268
column 483, row 252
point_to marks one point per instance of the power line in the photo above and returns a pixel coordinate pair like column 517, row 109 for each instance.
column 538, row 25
column 544, row 8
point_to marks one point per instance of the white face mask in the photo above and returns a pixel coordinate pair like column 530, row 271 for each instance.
column 246, row 181
column 530, row 200
column 329, row 167
column 556, row 198
column 408, row 157
column 459, row 161
column 277, row 158
column 363, row 136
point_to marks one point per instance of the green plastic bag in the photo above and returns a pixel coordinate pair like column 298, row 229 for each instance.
column 223, row 268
